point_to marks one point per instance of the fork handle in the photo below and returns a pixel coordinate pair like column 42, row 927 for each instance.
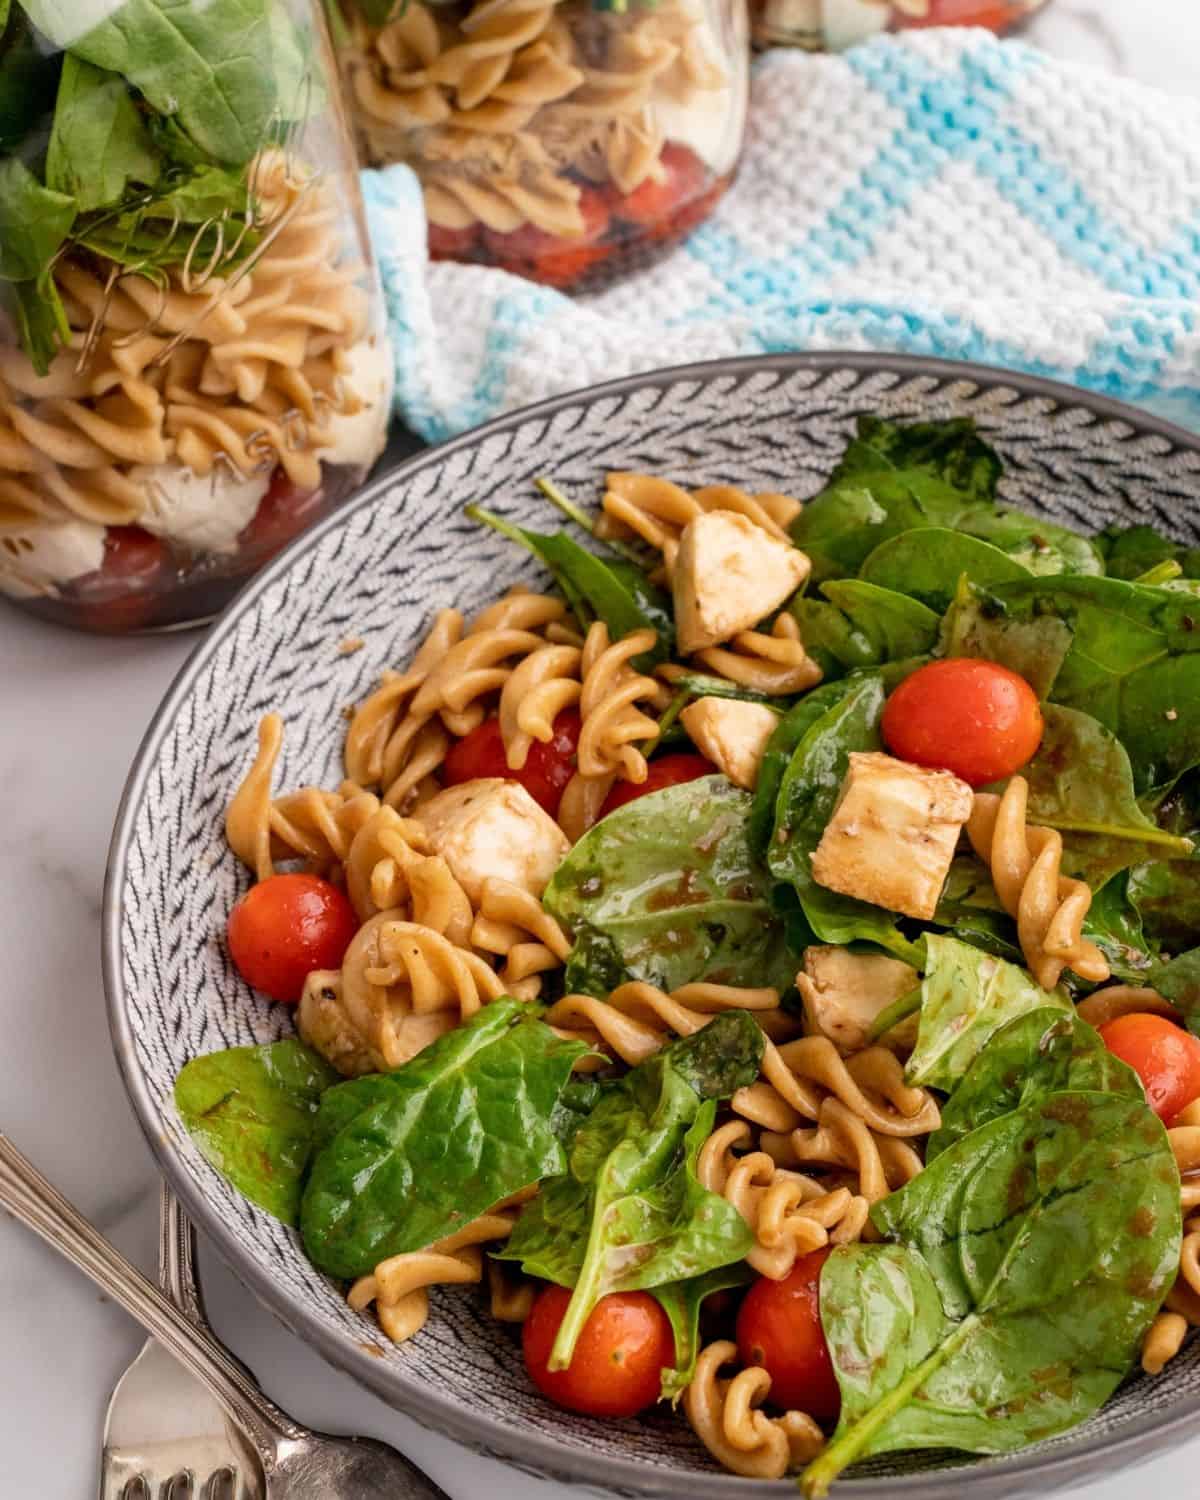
column 38, row 1205
column 177, row 1257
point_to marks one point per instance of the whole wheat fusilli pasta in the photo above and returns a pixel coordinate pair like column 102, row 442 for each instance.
column 725, row 1416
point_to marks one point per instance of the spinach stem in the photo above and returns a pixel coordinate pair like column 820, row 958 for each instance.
column 899, row 1010
column 582, row 519
column 1151, row 835
column 670, row 714
column 497, row 523
column 1162, row 572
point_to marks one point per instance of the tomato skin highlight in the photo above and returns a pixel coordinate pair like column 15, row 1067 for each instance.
column 667, row 770
column 972, row 717
column 616, row 1370
column 779, row 1328
column 285, row 927
column 547, row 769
column 1164, row 1056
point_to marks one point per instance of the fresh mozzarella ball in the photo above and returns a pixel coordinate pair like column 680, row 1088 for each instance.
column 47, row 554
column 204, row 513
column 358, row 440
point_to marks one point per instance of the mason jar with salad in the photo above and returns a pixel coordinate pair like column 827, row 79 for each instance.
column 193, row 357
column 834, row 24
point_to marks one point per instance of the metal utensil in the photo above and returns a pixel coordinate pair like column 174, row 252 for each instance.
column 298, row 1464
column 164, row 1433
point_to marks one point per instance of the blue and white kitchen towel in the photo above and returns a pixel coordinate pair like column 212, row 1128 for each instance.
column 941, row 194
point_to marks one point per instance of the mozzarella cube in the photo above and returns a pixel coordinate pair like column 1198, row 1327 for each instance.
column 732, row 734
column 493, row 827
column 844, row 993
column 728, row 574
column 893, row 834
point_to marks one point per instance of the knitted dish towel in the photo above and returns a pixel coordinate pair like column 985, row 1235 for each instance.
column 941, row 193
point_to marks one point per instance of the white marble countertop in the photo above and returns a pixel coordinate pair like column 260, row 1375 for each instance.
column 71, row 715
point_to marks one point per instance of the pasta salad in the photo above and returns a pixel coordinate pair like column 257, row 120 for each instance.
column 766, row 961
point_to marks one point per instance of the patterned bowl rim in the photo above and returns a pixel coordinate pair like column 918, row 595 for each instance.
column 990, row 1479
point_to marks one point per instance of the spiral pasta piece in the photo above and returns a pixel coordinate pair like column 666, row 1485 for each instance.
column 399, row 1286
column 613, row 724
column 774, row 662
column 1124, row 1000
column 544, row 684
column 842, row 1139
column 514, row 925
column 1049, row 908
column 790, row 1215
column 1163, row 1341
column 582, row 800
column 724, row 1414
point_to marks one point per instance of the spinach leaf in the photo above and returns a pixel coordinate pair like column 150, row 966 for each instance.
column 966, row 997
column 1034, row 647
column 682, row 1301
column 1167, row 900
column 862, row 625
column 782, row 745
column 630, row 1213
column 722, row 1057
column 1043, row 1052
column 1030, row 1259
column 596, row 588
column 1134, row 664
column 950, row 450
column 212, row 66
column 28, row 79
column 252, row 1111
column 1178, row 980
column 98, row 145
column 805, row 803
column 666, row 889
column 34, row 221
column 413, row 1154
column 928, row 561
column 37, row 311
column 1130, row 551
column 1114, row 923
column 700, row 685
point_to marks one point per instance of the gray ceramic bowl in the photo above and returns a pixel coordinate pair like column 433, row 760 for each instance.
column 377, row 570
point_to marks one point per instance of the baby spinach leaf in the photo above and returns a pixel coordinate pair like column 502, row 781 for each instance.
column 950, row 450
column 862, row 625
column 37, row 311
column 966, row 997
column 1130, row 551
column 666, row 889
column 34, row 221
column 412, row 1155
column 1030, row 1259
column 98, row 145
column 211, row 65
column 596, row 588
column 722, row 1057
column 28, row 78
column 1167, row 900
column 1114, row 924
column 1044, row 1052
column 928, row 561
column 630, row 1212
column 1034, row 647
column 700, row 685
column 782, row 745
column 682, row 1301
column 252, row 1111
column 804, row 806
column 1178, row 980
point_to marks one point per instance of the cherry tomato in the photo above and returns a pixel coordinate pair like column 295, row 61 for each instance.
column 452, row 244
column 616, row 1370
column 779, row 1327
column 547, row 769
column 123, row 592
column 975, row 718
column 1164, row 1056
column 285, row 927
column 283, row 512
column 555, row 259
column 667, row 770
column 662, row 207
column 994, row 16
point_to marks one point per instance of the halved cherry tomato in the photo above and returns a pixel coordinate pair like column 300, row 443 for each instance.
column 452, row 244
column 286, row 926
column 283, row 512
column 123, row 592
column 660, row 207
column 1164, row 1056
column 996, row 17
column 667, row 770
column 616, row 1370
column 547, row 769
column 975, row 718
column 556, row 260
column 779, row 1328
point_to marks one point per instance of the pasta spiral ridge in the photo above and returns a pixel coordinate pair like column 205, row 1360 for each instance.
column 842, row 1139
column 513, row 925
column 544, row 684
column 724, row 1414
column 772, row 662
column 790, row 1215
column 1049, row 908
column 613, row 724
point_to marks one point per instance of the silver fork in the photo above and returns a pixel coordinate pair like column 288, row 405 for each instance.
column 164, row 1434
column 297, row 1464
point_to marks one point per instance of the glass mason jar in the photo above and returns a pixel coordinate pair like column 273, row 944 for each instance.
column 834, row 24
column 566, row 142
column 193, row 357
